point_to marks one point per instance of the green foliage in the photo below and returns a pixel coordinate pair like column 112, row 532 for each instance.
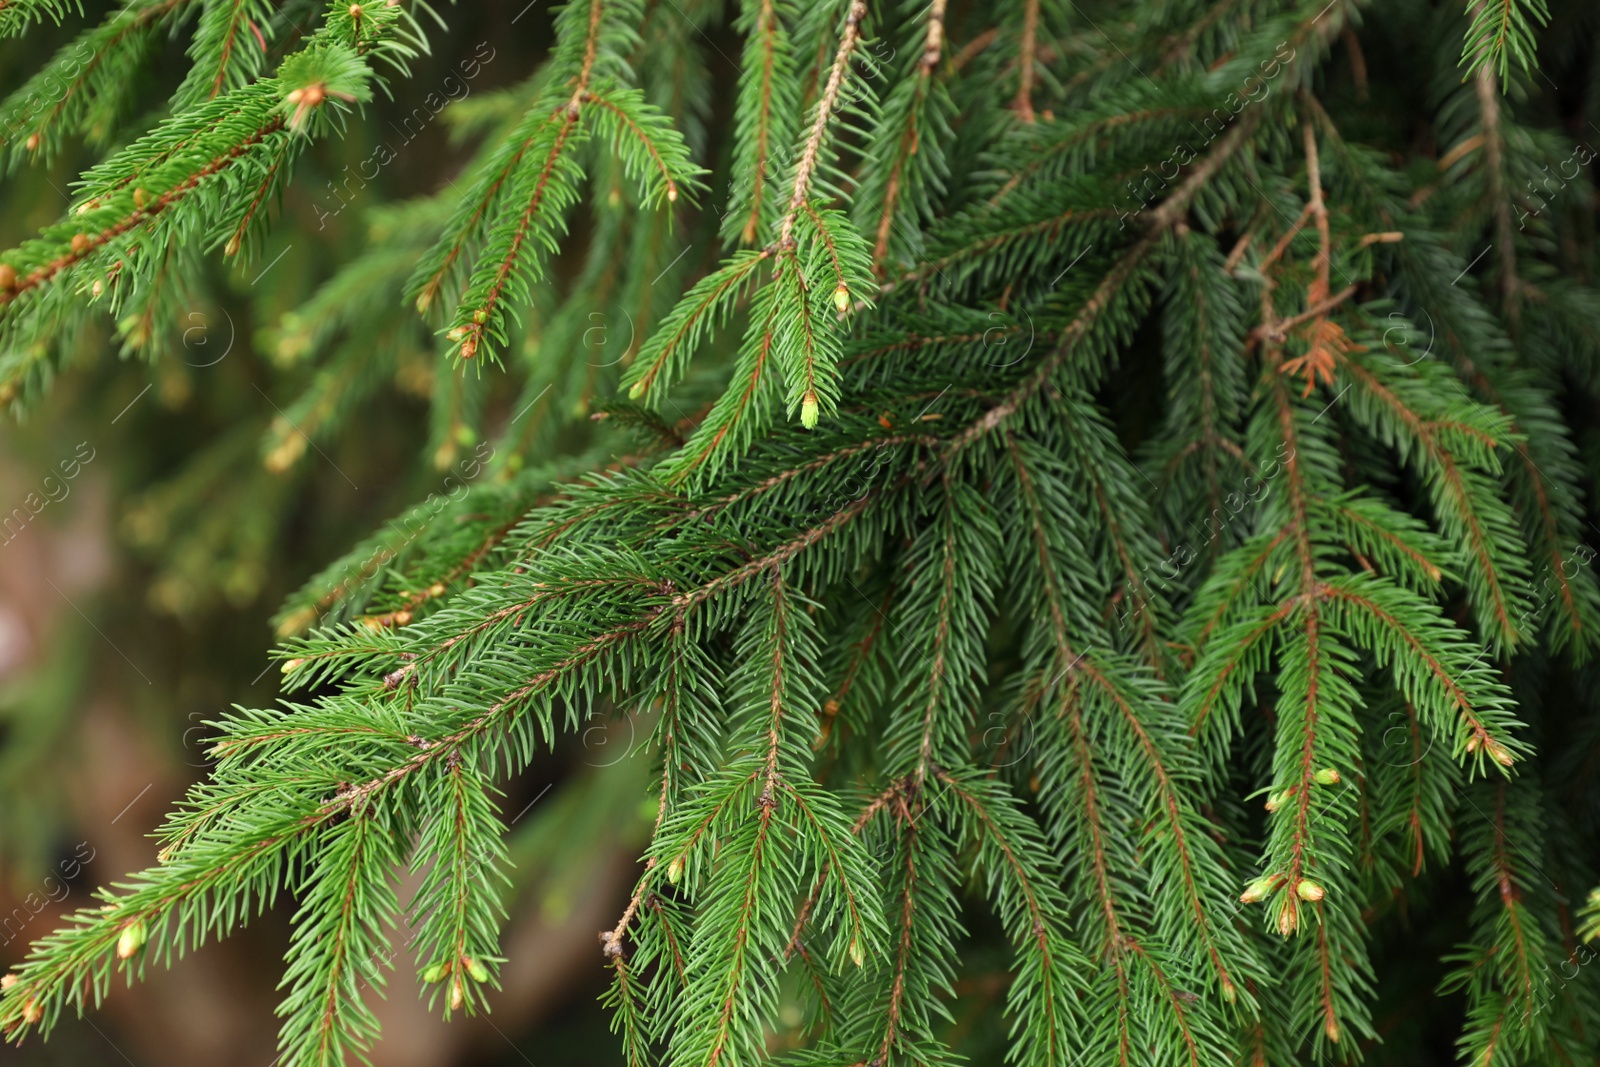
column 1060, row 448
column 1502, row 32
column 16, row 16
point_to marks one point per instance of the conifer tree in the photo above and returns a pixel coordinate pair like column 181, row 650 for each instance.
column 1109, row 493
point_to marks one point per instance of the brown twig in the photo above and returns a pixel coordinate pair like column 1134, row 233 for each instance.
column 806, row 169
column 1494, row 162
column 1029, row 46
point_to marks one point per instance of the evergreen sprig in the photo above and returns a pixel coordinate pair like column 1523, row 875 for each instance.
column 1036, row 552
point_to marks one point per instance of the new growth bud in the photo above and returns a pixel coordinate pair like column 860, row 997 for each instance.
column 131, row 940
column 1257, row 890
column 808, row 410
column 841, row 298
column 1327, row 776
column 1308, row 891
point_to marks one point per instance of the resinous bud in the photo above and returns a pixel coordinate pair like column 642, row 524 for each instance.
column 1256, row 890
column 131, row 940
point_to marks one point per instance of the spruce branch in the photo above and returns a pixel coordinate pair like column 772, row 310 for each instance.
column 1125, row 270
column 769, row 97
column 810, row 152
column 229, row 47
column 16, row 15
column 1115, row 507
column 1500, row 32
column 82, row 89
